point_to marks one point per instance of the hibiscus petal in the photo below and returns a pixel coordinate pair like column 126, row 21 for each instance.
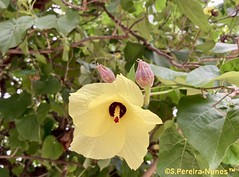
column 89, row 106
column 147, row 116
column 127, row 89
column 95, row 121
column 87, row 94
column 138, row 123
column 89, row 109
column 135, row 148
column 103, row 147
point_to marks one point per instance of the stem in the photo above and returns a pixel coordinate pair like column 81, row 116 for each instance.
column 41, row 159
column 162, row 92
column 147, row 91
column 151, row 169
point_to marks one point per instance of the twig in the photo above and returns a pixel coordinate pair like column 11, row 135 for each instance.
column 137, row 21
column 75, row 44
column 233, row 92
column 147, row 44
column 230, row 57
column 41, row 159
column 42, row 51
column 151, row 169
column 232, row 15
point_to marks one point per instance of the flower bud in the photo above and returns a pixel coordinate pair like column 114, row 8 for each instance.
column 144, row 75
column 105, row 73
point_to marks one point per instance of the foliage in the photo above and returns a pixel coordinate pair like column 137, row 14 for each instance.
column 50, row 49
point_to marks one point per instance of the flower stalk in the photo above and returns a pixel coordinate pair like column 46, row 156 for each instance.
column 162, row 92
column 147, row 91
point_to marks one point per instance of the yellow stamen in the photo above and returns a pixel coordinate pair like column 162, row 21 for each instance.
column 117, row 114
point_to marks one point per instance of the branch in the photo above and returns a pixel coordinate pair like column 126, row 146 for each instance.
column 41, row 51
column 137, row 21
column 79, row 43
column 41, row 159
column 151, row 169
column 74, row 45
column 230, row 57
column 146, row 43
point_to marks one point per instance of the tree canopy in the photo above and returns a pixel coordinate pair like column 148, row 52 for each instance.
column 49, row 49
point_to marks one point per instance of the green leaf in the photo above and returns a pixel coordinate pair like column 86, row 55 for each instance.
column 231, row 65
column 40, row 58
column 57, row 107
column 64, row 24
column 125, row 171
column 232, row 155
column 206, row 45
column 128, row 5
column 234, row 173
column 202, row 75
column 207, row 129
column 33, row 148
column 131, row 73
column 23, row 22
column 12, row 32
column 48, row 86
column 51, row 148
column 25, row 76
column 72, row 168
column 175, row 154
column 15, row 106
column 143, row 28
column 223, row 48
column 157, row 59
column 42, row 111
column 24, row 47
column 46, row 22
column 193, row 10
column 160, row 5
column 113, row 6
column 15, row 142
column 66, row 49
column 4, row 4
column 4, row 172
column 181, row 55
column 18, row 170
column 28, row 128
column 166, row 73
column 67, row 22
column 231, row 77
column 132, row 52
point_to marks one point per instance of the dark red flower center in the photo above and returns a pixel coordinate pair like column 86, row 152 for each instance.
column 117, row 111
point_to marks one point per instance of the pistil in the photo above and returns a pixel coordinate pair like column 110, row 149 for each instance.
column 117, row 114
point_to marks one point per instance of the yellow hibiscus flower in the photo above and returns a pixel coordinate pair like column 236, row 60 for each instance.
column 109, row 121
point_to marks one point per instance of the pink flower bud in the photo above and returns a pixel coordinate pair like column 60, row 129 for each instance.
column 105, row 73
column 144, row 75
